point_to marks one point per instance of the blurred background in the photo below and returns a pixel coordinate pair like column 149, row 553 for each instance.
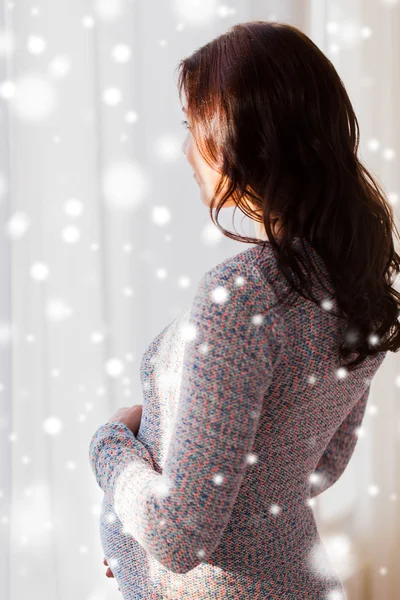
column 103, row 239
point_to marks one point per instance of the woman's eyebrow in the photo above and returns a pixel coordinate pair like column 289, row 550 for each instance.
column 184, row 109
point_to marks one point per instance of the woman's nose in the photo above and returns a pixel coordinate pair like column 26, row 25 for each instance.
column 185, row 144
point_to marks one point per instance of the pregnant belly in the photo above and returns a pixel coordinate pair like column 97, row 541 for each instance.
column 125, row 556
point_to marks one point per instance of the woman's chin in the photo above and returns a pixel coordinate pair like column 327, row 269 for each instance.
column 204, row 199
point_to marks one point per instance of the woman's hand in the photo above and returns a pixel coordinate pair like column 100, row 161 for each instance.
column 131, row 416
column 109, row 573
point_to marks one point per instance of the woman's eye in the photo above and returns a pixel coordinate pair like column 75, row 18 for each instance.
column 185, row 124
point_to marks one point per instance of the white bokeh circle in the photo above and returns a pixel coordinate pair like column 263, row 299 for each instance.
column 124, row 185
column 34, row 98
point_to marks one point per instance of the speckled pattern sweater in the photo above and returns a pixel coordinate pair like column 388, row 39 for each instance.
column 247, row 415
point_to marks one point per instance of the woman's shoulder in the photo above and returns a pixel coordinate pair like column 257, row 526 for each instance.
column 242, row 282
column 254, row 269
column 236, row 300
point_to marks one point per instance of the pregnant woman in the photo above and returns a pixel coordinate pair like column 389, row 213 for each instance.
column 251, row 402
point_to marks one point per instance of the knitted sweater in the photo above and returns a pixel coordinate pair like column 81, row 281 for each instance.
column 246, row 416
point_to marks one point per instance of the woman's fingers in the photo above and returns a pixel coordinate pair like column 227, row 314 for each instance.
column 109, row 573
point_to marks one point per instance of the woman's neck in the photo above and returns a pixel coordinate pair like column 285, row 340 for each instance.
column 260, row 231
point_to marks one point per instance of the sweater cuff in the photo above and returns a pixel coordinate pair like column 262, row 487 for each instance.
column 113, row 447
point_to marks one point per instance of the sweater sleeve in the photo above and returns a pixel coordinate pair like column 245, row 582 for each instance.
column 231, row 347
column 341, row 446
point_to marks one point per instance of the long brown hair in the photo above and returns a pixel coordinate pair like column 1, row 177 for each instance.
column 270, row 113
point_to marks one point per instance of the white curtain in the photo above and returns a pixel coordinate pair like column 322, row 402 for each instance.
column 103, row 237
